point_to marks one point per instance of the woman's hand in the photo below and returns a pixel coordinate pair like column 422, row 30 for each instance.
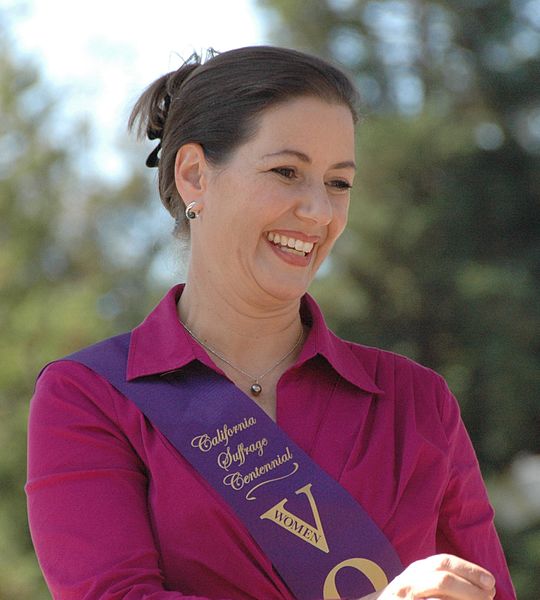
column 442, row 576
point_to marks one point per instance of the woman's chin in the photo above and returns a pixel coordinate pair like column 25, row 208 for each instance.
column 285, row 282
column 285, row 290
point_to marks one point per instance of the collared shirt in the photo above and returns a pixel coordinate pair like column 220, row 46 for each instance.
column 116, row 512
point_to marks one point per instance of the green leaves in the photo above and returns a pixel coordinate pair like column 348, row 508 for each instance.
column 64, row 282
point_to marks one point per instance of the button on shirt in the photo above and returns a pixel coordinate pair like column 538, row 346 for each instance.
column 116, row 512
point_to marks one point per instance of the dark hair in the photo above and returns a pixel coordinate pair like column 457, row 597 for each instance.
column 216, row 103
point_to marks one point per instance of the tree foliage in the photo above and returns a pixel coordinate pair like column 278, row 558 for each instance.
column 442, row 257
column 74, row 267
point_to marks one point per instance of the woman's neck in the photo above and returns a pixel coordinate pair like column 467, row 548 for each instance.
column 251, row 335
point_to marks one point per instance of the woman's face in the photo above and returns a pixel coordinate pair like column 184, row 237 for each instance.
column 272, row 213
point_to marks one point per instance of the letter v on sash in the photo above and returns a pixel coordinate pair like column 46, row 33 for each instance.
column 306, row 532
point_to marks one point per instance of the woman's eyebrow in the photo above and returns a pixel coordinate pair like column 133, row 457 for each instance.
column 347, row 164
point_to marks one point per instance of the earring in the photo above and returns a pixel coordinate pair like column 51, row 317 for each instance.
column 192, row 210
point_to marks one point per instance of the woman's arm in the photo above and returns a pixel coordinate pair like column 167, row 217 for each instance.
column 465, row 527
column 87, row 496
column 466, row 537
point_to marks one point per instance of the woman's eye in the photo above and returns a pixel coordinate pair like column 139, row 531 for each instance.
column 340, row 184
column 286, row 172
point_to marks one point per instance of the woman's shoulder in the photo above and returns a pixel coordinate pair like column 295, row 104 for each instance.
column 77, row 370
column 65, row 372
column 380, row 358
column 414, row 393
column 68, row 385
column 396, row 374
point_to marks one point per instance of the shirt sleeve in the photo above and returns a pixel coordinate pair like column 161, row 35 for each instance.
column 87, row 494
column 465, row 526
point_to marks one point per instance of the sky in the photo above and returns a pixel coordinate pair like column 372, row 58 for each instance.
column 100, row 55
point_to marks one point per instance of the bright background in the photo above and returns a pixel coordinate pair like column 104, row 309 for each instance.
column 99, row 55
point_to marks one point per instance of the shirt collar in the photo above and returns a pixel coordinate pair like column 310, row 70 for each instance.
column 161, row 344
column 339, row 354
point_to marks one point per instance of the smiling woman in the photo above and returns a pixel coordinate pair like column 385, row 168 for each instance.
column 328, row 469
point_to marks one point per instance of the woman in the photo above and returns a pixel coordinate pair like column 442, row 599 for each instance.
column 156, row 468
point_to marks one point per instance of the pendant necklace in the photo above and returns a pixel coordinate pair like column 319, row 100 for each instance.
column 256, row 387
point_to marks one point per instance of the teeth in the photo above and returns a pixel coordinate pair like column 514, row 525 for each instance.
column 292, row 251
column 290, row 244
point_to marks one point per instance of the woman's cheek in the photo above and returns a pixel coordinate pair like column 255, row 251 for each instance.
column 341, row 215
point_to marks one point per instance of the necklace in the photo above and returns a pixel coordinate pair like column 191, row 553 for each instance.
column 256, row 387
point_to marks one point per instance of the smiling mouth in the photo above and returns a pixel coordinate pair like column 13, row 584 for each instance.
column 289, row 244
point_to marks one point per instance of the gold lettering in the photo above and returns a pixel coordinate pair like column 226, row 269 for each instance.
column 367, row 567
column 206, row 442
column 297, row 526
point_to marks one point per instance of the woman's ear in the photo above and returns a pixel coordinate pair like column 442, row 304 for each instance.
column 190, row 172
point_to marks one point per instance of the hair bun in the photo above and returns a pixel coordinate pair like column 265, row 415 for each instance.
column 150, row 113
column 156, row 125
column 155, row 130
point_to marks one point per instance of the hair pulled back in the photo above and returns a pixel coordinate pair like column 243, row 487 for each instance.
column 216, row 103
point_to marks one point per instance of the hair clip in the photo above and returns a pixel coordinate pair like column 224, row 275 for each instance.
column 153, row 158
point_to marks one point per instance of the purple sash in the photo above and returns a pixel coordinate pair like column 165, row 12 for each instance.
column 319, row 539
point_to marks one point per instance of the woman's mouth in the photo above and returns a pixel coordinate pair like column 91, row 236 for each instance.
column 289, row 244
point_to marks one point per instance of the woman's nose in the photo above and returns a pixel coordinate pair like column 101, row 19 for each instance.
column 315, row 206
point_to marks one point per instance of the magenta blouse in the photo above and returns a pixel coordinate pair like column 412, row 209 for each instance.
column 116, row 512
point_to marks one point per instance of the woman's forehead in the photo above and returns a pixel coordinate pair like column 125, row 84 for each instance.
column 302, row 125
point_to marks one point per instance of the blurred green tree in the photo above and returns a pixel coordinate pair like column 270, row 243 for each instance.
column 441, row 260
column 75, row 263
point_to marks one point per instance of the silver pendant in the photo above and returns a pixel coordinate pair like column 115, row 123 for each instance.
column 255, row 389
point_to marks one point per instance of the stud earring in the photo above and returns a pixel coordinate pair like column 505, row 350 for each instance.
column 192, row 210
